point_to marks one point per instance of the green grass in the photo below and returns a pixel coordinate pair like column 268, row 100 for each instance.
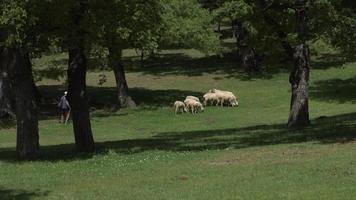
column 223, row 153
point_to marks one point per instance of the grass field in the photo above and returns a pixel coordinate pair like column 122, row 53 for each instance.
column 223, row 153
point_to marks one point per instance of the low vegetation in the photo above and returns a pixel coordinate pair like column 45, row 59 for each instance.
column 244, row 152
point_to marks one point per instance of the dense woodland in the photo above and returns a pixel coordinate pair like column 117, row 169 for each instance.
column 263, row 29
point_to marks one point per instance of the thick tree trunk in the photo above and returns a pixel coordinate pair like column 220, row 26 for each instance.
column 37, row 93
column 299, row 77
column 122, row 89
column 77, row 91
column 77, row 97
column 7, row 101
column 247, row 54
column 19, row 66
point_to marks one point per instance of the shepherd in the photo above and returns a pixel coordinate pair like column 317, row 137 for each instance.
column 64, row 107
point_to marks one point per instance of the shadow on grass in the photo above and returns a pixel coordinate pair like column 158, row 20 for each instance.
column 53, row 73
column 334, row 90
column 325, row 130
column 326, row 61
column 9, row 194
column 181, row 64
column 104, row 98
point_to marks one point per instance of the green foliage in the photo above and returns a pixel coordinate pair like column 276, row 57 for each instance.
column 186, row 24
column 233, row 9
column 330, row 20
column 125, row 23
column 342, row 32
column 13, row 21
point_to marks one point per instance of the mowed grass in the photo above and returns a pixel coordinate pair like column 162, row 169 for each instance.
column 223, row 153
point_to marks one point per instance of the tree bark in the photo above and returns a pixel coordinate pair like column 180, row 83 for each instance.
column 122, row 88
column 77, row 97
column 299, row 77
column 247, row 54
column 7, row 101
column 299, row 80
column 19, row 66
column 77, row 94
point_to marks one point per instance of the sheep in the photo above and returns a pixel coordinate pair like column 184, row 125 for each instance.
column 210, row 98
column 198, row 107
column 216, row 90
column 193, row 98
column 193, row 106
column 225, row 97
column 189, row 104
column 179, row 107
column 231, row 100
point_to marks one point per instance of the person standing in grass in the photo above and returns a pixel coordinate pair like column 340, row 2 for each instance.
column 64, row 108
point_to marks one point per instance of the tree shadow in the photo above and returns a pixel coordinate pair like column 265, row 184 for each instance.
column 226, row 65
column 328, row 60
column 105, row 99
column 337, row 129
column 9, row 194
column 7, row 123
column 324, row 130
column 334, row 90
column 54, row 73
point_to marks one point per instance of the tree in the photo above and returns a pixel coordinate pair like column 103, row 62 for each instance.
column 16, row 70
column 77, row 67
column 240, row 14
column 271, row 27
column 299, row 77
column 185, row 24
column 147, row 26
column 68, row 26
column 123, row 24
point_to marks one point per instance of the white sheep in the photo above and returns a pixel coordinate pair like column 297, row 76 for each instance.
column 193, row 106
column 225, row 97
column 189, row 104
column 210, row 98
column 179, row 107
column 193, row 98
column 198, row 107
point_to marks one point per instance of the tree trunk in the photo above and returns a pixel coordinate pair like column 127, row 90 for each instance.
column 299, row 80
column 122, row 89
column 247, row 54
column 19, row 66
column 7, row 101
column 77, row 94
column 77, row 97
column 299, row 77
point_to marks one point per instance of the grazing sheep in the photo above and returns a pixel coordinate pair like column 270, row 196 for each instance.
column 193, row 98
column 225, row 97
column 179, row 107
column 210, row 98
column 189, row 104
column 193, row 106
column 231, row 101
column 198, row 107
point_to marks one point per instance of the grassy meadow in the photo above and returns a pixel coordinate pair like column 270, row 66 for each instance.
column 246, row 152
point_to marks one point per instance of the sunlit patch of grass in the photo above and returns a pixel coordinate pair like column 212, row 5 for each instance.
column 245, row 152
